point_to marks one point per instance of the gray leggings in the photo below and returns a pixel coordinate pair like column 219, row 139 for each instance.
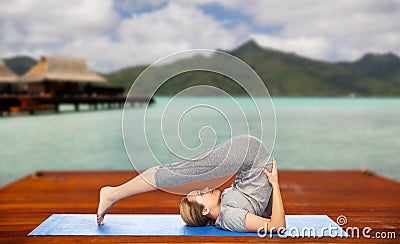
column 242, row 154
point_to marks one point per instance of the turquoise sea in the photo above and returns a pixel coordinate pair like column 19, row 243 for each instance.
column 311, row 133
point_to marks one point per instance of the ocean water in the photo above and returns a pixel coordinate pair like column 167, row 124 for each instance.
column 311, row 133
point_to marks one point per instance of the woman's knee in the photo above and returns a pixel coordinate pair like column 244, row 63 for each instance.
column 248, row 139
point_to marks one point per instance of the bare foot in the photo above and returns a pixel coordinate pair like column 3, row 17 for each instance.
column 105, row 204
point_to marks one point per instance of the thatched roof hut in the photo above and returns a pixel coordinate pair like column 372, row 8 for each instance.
column 53, row 76
column 54, row 69
column 6, row 75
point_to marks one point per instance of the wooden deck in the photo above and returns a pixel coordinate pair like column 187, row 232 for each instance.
column 14, row 104
column 366, row 200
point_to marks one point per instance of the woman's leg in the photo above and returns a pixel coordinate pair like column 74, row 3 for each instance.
column 110, row 195
column 239, row 154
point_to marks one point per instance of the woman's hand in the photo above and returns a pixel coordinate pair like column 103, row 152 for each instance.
column 277, row 222
column 273, row 176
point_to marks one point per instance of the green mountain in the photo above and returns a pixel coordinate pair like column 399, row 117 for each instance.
column 124, row 77
column 379, row 66
column 284, row 74
column 287, row 74
column 20, row 64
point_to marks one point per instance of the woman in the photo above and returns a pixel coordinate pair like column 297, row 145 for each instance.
column 242, row 207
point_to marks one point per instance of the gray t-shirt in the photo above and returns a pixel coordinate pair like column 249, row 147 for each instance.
column 250, row 192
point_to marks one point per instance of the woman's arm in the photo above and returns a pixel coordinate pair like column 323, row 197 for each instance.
column 277, row 222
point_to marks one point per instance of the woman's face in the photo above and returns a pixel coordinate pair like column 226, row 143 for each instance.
column 210, row 198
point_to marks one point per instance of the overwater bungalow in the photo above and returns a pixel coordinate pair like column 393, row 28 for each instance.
column 8, row 80
column 54, row 81
column 61, row 77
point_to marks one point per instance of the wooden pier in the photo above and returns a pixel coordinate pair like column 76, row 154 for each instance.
column 367, row 200
column 32, row 104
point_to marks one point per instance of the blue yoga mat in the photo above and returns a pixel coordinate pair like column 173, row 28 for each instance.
column 170, row 225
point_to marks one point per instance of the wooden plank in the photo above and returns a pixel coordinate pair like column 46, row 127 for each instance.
column 366, row 200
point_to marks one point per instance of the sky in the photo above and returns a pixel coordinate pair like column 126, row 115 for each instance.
column 113, row 34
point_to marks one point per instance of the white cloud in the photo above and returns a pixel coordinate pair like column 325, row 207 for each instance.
column 44, row 27
column 186, row 26
column 115, row 34
column 146, row 37
column 50, row 22
column 317, row 47
column 343, row 29
column 95, row 31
